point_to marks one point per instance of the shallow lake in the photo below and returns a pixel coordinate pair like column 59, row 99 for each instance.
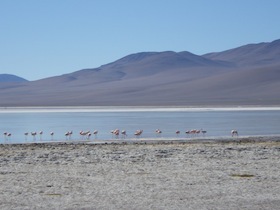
column 218, row 122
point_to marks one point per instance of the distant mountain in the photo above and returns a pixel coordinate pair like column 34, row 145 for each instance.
column 247, row 75
column 144, row 65
column 11, row 78
column 251, row 54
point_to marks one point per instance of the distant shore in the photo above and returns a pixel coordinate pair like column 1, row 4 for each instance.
column 135, row 108
column 226, row 173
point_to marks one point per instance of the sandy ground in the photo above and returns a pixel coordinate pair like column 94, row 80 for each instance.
column 235, row 174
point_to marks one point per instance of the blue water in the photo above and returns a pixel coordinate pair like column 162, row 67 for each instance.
column 216, row 122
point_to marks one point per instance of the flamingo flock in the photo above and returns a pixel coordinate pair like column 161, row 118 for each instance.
column 196, row 132
column 86, row 135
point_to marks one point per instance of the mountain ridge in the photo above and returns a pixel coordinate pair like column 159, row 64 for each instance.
column 246, row 75
column 251, row 54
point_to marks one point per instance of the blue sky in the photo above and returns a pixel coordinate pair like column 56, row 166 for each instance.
column 44, row 38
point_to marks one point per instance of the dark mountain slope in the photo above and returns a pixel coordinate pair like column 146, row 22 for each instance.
column 11, row 78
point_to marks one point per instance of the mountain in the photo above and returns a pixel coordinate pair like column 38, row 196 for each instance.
column 11, row 78
column 250, row 55
column 247, row 75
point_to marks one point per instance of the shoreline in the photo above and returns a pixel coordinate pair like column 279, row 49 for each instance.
column 189, row 140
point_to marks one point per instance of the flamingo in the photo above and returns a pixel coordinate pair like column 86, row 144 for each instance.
column 88, row 136
column 70, row 134
column 95, row 132
column 115, row 132
column 67, row 135
column 188, row 132
column 84, row 133
column 81, row 134
column 26, row 135
column 195, row 132
column 5, row 135
column 138, row 133
column 34, row 135
column 203, row 132
column 41, row 133
column 177, row 133
column 158, row 132
column 9, row 135
column 112, row 132
column 234, row 133
column 52, row 133
column 123, row 134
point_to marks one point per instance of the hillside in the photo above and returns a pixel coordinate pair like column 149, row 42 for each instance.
column 11, row 78
column 247, row 75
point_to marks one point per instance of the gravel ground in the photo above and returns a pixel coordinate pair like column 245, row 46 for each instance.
column 239, row 174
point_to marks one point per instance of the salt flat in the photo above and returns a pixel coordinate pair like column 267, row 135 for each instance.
column 237, row 174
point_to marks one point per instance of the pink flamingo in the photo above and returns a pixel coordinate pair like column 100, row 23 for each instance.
column 67, row 135
column 88, row 136
column 203, row 132
column 195, row 132
column 112, row 132
column 192, row 132
column 41, row 133
column 177, row 133
column 123, row 134
column 234, row 133
column 95, row 132
column 84, row 133
column 70, row 134
column 138, row 133
column 158, row 132
column 34, row 135
column 9, row 136
column 52, row 133
column 188, row 132
column 26, row 135
column 115, row 132
column 5, row 135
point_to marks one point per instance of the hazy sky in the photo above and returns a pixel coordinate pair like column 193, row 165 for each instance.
column 43, row 38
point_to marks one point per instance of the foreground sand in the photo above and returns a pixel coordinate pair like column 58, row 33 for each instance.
column 240, row 174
